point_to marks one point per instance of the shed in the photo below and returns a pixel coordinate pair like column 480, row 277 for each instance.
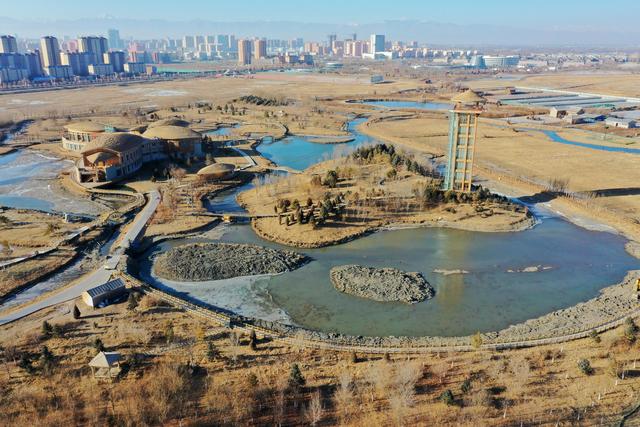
column 106, row 364
column 621, row 122
column 104, row 294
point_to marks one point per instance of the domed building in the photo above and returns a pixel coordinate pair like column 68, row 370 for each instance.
column 170, row 121
column 181, row 142
column 77, row 135
column 216, row 171
column 111, row 157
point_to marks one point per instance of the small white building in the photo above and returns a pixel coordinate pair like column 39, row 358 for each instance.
column 618, row 122
column 104, row 294
column 106, row 364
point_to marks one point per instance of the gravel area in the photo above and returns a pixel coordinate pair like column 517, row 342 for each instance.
column 381, row 284
column 217, row 261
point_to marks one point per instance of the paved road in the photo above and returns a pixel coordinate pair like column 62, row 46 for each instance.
column 96, row 277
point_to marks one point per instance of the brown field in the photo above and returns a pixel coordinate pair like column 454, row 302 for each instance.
column 171, row 378
column 532, row 158
column 605, row 83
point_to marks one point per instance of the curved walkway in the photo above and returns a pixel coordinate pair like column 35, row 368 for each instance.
column 298, row 339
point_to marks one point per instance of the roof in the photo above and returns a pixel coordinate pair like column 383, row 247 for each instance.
column 171, row 132
column 468, row 97
column 110, row 286
column 139, row 129
column 620, row 120
column 105, row 359
column 100, row 156
column 170, row 121
column 116, row 141
column 86, row 126
column 217, row 168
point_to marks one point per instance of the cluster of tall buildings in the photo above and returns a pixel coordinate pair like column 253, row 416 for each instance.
column 87, row 56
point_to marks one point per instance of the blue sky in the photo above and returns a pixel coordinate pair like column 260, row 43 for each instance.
column 619, row 15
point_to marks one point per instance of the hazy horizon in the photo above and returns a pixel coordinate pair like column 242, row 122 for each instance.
column 545, row 23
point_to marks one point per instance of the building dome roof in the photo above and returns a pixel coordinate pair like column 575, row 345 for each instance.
column 170, row 121
column 171, row 132
column 115, row 141
column 86, row 126
column 468, row 97
column 217, row 169
column 139, row 129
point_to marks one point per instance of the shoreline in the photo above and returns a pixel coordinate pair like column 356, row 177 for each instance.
column 572, row 210
column 523, row 225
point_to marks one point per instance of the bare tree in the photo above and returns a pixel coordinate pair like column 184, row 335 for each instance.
column 314, row 411
column 343, row 396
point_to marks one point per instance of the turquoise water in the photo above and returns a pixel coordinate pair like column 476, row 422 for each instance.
column 298, row 153
column 574, row 264
column 557, row 138
column 409, row 104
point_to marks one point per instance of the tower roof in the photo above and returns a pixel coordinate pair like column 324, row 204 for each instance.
column 468, row 97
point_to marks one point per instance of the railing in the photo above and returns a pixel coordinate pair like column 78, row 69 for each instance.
column 298, row 340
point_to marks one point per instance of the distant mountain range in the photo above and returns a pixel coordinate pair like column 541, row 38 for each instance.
column 433, row 33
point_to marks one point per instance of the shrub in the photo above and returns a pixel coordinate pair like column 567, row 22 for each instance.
column 98, row 344
column 630, row 330
column 331, row 179
column 476, row 340
column 585, row 367
column 466, row 386
column 595, row 336
column 132, row 301
column 392, row 173
column 212, row 352
column 47, row 330
column 296, row 380
column 447, row 398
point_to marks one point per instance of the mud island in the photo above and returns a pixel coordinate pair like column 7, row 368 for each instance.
column 381, row 284
column 202, row 262
column 375, row 187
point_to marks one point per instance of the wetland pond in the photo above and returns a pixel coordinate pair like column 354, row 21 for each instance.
column 483, row 281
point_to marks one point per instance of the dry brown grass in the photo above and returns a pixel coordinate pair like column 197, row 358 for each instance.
column 169, row 383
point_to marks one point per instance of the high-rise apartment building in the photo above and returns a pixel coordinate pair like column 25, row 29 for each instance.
column 331, row 38
column 259, row 49
column 8, row 44
column 189, row 43
column 244, row 52
column 376, row 43
column 96, row 46
column 115, row 42
column 116, row 59
column 49, row 51
column 78, row 61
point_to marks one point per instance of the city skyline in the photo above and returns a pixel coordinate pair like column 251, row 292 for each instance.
column 571, row 23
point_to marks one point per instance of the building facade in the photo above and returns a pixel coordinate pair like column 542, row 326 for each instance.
column 49, row 52
column 95, row 46
column 77, row 135
column 8, row 44
column 244, row 52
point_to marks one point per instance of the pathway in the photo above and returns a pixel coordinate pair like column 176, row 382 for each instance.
column 96, row 277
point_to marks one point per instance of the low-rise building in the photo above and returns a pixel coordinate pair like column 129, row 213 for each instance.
column 100, row 69
column 111, row 157
column 104, row 294
column 618, row 122
column 181, row 142
column 135, row 68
